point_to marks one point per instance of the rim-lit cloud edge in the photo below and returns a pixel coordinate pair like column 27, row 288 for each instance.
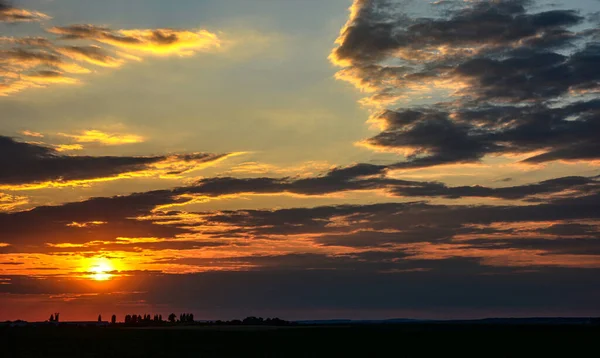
column 502, row 79
column 39, row 62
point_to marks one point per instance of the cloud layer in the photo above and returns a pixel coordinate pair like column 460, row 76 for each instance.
column 501, row 80
column 30, row 165
column 37, row 62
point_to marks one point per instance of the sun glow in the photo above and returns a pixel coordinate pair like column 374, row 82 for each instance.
column 101, row 270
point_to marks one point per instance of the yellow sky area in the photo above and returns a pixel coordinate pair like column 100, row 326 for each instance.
column 97, row 136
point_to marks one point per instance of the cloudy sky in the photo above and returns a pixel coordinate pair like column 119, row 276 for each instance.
column 303, row 159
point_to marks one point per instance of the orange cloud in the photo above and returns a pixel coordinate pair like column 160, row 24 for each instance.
column 86, row 224
column 12, row 14
column 11, row 202
column 32, row 134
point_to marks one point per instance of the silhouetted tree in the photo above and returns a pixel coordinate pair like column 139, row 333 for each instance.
column 113, row 319
column 191, row 318
column 253, row 321
column 160, row 318
column 56, row 315
column 51, row 318
column 172, row 317
column 99, row 318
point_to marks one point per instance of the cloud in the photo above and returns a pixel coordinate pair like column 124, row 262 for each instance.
column 156, row 42
column 498, row 79
column 68, row 147
column 11, row 202
column 96, row 136
column 399, row 236
column 31, row 166
column 557, row 228
column 8, row 13
column 360, row 177
column 94, row 55
column 29, row 133
column 37, row 62
column 429, row 137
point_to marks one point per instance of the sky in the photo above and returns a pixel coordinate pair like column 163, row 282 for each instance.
column 306, row 159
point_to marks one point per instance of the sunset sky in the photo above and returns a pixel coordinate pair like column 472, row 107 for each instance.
column 307, row 159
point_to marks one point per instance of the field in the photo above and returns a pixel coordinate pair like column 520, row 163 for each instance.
column 402, row 340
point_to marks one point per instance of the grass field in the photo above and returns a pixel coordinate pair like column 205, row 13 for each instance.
column 410, row 340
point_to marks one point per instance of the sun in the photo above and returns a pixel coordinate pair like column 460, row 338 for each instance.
column 101, row 269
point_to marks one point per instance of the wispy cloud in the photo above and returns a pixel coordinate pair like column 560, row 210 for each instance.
column 27, row 166
column 96, row 136
column 8, row 13
column 156, row 42
column 37, row 62
column 29, row 133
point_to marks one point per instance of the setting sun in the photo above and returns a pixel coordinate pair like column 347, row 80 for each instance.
column 101, row 270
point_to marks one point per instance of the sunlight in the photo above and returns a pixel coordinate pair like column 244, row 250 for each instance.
column 101, row 269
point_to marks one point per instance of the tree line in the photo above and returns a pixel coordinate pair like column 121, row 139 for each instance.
column 188, row 318
column 185, row 318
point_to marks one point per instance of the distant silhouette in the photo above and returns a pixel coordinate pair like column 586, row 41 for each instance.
column 99, row 318
column 172, row 317
column 113, row 319
column 56, row 315
column 51, row 318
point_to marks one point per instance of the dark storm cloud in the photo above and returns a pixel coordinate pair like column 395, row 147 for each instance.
column 509, row 69
column 28, row 163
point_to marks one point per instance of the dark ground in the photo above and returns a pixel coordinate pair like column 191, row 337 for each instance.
column 408, row 340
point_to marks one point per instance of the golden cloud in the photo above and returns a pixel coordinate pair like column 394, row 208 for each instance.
column 11, row 202
column 96, row 136
column 91, row 54
column 36, row 62
column 153, row 41
column 11, row 14
column 29, row 133
column 68, row 147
